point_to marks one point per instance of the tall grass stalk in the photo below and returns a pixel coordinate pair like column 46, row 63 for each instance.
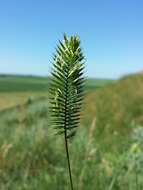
column 66, row 90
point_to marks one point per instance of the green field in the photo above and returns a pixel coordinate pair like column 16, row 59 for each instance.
column 17, row 89
column 15, row 83
column 106, row 153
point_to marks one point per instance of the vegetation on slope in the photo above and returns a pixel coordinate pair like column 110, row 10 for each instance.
column 117, row 108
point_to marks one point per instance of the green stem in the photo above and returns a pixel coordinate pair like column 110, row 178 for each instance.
column 68, row 160
column 65, row 137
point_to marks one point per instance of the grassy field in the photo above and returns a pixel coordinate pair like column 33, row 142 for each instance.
column 106, row 153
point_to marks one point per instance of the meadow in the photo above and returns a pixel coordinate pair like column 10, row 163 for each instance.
column 106, row 153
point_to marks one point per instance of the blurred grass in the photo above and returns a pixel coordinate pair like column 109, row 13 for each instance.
column 115, row 107
column 32, row 157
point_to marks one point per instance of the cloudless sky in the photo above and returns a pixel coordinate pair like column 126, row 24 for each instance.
column 111, row 32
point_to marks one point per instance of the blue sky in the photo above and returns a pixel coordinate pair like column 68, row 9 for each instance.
column 111, row 32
